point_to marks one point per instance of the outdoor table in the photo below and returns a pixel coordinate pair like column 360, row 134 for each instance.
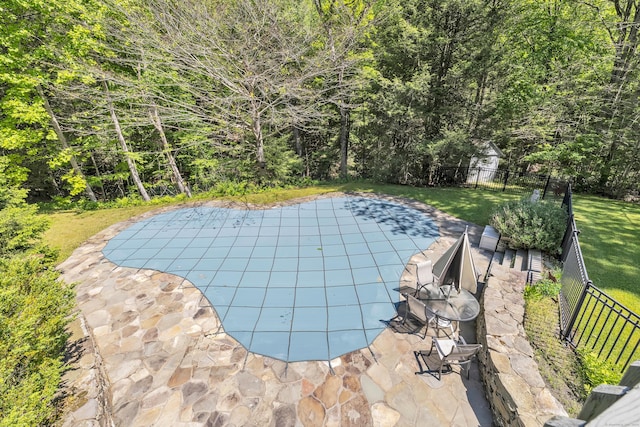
column 456, row 306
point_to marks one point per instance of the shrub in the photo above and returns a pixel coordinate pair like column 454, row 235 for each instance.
column 543, row 288
column 597, row 371
column 531, row 225
column 35, row 308
column 34, row 311
column 20, row 228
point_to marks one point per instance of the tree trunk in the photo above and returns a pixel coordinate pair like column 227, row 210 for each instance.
column 342, row 108
column 256, row 127
column 345, row 125
column 63, row 141
column 123, row 145
column 626, row 44
column 297, row 141
column 166, row 149
column 98, row 174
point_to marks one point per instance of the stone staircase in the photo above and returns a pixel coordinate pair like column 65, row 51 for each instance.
column 529, row 261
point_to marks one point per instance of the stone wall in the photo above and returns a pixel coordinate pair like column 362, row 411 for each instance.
column 514, row 386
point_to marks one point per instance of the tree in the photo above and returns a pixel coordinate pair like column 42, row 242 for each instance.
column 345, row 24
column 621, row 21
column 123, row 144
column 28, row 33
column 252, row 66
column 35, row 308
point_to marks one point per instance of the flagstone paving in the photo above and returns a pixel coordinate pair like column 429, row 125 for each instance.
column 150, row 351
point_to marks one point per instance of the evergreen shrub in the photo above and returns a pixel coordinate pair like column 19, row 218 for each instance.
column 35, row 308
column 34, row 311
column 531, row 225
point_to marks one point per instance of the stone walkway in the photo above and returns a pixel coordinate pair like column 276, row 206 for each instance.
column 149, row 352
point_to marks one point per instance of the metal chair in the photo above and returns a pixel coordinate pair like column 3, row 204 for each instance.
column 452, row 352
column 418, row 310
column 424, row 275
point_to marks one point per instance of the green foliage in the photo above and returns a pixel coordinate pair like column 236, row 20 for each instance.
column 597, row 371
column 20, row 227
column 543, row 80
column 282, row 163
column 546, row 287
column 232, row 188
column 34, row 310
column 531, row 225
column 610, row 243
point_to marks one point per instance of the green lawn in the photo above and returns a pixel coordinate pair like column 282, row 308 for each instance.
column 610, row 242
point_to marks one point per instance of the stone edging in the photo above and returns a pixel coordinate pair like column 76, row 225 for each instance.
column 516, row 391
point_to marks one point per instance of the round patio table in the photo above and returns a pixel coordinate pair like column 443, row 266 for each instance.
column 460, row 306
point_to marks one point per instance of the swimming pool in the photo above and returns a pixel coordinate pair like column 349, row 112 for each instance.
column 309, row 281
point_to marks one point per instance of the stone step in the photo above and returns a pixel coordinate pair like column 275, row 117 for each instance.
column 521, row 257
column 533, row 277
column 509, row 255
column 497, row 257
column 521, row 260
column 535, row 266
column 535, row 260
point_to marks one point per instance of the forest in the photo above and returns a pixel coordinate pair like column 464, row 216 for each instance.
column 102, row 99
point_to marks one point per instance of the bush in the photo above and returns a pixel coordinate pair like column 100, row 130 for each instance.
column 597, row 371
column 35, row 309
column 531, row 225
column 34, row 312
column 544, row 288
column 20, row 228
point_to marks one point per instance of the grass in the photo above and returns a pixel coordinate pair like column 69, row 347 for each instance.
column 610, row 243
column 69, row 229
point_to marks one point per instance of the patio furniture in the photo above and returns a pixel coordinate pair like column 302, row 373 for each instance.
column 456, row 268
column 451, row 304
column 418, row 309
column 451, row 352
column 424, row 275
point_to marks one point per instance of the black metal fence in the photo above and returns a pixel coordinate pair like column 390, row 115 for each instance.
column 498, row 180
column 589, row 318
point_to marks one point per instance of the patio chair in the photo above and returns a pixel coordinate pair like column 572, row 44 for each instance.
column 441, row 322
column 452, row 352
column 424, row 275
column 418, row 310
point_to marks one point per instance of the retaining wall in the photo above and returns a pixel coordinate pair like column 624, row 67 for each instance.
column 515, row 389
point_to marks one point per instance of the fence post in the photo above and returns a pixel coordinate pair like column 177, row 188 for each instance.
column 546, row 186
column 506, row 178
column 477, row 176
column 571, row 233
column 576, row 310
column 631, row 377
column 600, row 399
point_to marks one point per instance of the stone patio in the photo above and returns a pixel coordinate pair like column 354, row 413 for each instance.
column 150, row 351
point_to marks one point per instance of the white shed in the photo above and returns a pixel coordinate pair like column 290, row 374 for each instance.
column 484, row 164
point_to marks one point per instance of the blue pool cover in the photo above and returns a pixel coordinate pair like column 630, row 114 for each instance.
column 311, row 281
